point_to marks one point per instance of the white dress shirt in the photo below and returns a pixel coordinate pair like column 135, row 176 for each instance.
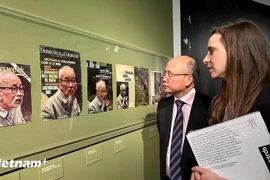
column 186, row 108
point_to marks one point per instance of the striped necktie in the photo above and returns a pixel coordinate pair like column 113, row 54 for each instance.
column 175, row 156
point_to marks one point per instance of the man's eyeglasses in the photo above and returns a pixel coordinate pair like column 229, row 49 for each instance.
column 102, row 91
column 68, row 81
column 14, row 89
column 170, row 75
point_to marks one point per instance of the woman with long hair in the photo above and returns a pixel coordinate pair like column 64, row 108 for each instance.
column 238, row 53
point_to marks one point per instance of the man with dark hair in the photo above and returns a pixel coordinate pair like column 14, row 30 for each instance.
column 186, row 110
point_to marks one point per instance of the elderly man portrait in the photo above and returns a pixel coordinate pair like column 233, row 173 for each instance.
column 11, row 99
column 63, row 103
column 100, row 103
column 122, row 99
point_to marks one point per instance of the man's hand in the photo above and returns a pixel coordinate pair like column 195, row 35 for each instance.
column 105, row 104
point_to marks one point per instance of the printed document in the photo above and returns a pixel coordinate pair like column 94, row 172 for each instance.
column 238, row 149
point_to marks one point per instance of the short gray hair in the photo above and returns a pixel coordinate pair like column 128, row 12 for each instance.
column 100, row 83
column 122, row 86
column 4, row 74
column 193, row 68
column 64, row 68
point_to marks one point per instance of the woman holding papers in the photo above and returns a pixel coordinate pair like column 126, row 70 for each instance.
column 237, row 54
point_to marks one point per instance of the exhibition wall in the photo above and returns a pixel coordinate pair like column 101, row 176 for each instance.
column 40, row 38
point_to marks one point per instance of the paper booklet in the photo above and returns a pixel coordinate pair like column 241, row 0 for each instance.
column 238, row 149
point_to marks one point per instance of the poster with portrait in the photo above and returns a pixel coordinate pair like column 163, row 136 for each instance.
column 125, row 86
column 157, row 90
column 61, row 86
column 141, row 86
column 99, row 87
column 15, row 94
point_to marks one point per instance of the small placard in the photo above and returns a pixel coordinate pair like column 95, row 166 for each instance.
column 12, row 176
column 119, row 144
column 52, row 170
column 152, row 132
column 93, row 154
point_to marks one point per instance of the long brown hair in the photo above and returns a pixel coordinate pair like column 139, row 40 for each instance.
column 247, row 70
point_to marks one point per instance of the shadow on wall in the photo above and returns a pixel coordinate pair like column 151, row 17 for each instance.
column 151, row 152
column 198, row 21
column 150, row 138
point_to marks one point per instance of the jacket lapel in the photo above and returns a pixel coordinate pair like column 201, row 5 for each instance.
column 168, row 118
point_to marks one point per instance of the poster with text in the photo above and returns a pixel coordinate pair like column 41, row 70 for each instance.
column 61, row 85
column 125, row 86
column 157, row 90
column 15, row 94
column 141, row 87
column 99, row 86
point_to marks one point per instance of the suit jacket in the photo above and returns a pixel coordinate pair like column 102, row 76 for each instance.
column 198, row 119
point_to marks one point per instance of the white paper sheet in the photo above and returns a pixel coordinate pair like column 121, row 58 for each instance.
column 231, row 149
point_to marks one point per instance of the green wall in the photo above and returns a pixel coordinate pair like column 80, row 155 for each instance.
column 146, row 24
column 142, row 30
column 139, row 161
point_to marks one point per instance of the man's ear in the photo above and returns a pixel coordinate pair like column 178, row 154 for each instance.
column 188, row 80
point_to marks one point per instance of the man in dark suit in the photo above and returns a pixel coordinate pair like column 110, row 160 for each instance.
column 179, row 80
